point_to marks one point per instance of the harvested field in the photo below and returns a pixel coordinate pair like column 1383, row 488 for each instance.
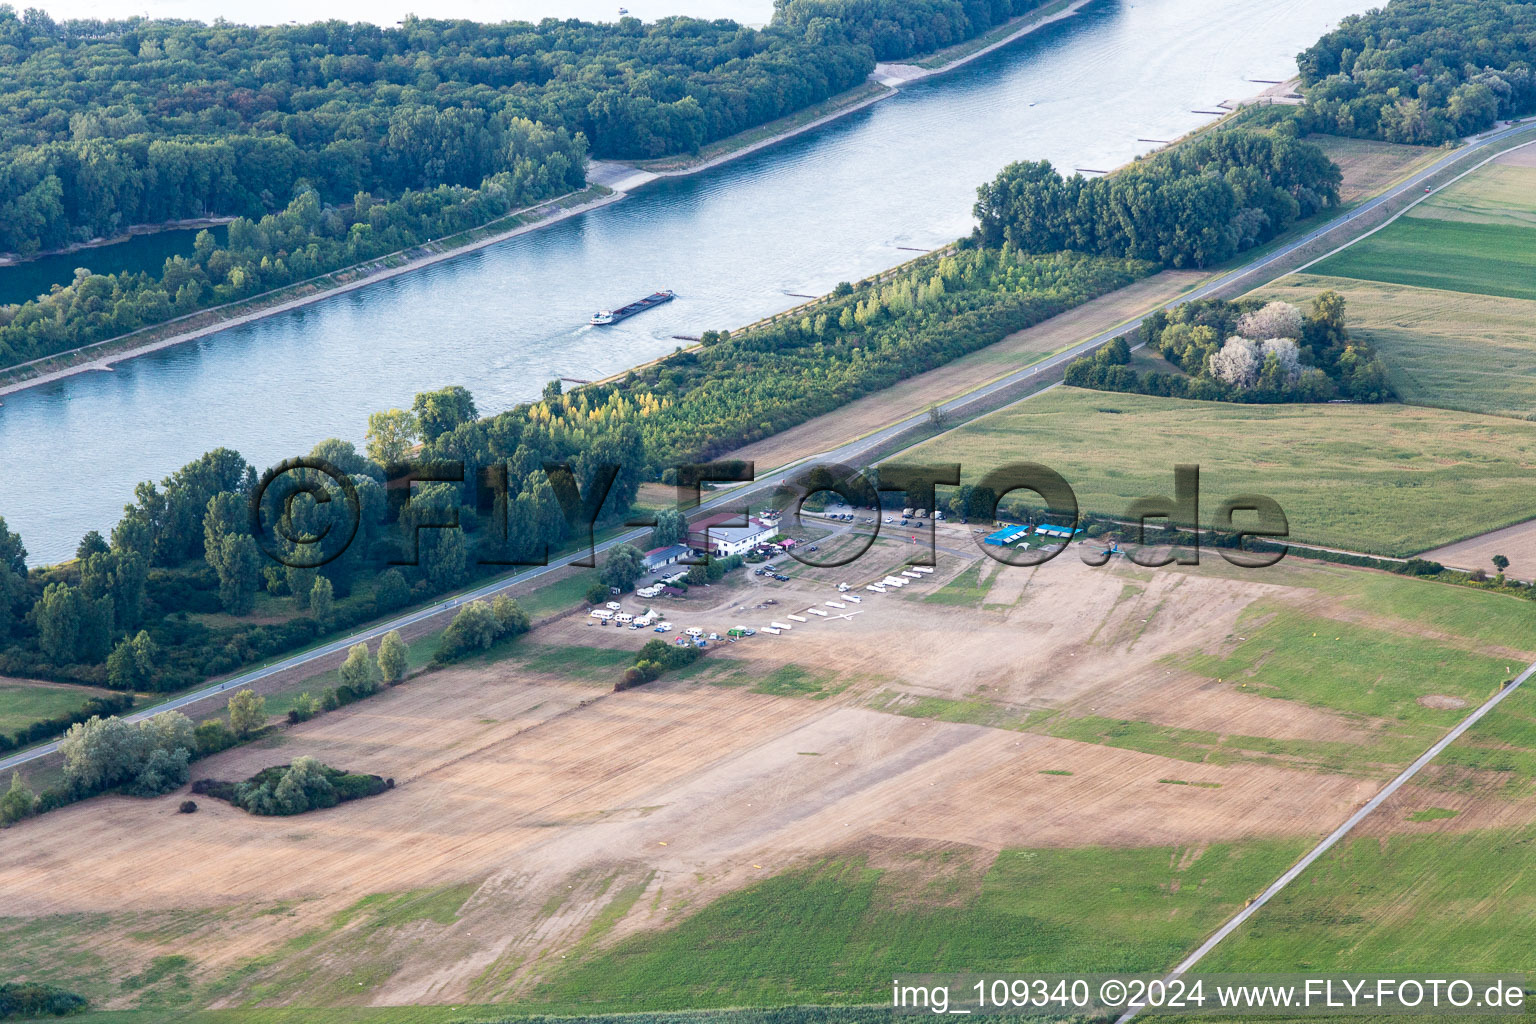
column 1371, row 166
column 1448, row 349
column 537, row 823
column 1516, row 543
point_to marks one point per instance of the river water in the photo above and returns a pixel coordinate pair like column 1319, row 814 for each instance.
column 737, row 242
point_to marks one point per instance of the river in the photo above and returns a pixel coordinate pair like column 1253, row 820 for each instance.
column 736, row 242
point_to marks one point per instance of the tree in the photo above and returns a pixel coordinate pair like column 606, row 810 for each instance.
column 624, row 565
column 510, row 617
column 444, row 558
column 474, row 628
column 440, row 412
column 391, row 435
column 1500, row 563
column 394, row 657
column 357, row 670
column 390, row 591
column 226, row 514
column 146, row 759
column 671, row 528
column 1275, row 320
column 71, row 627
column 12, row 552
column 91, row 544
column 1238, row 363
column 237, row 562
column 18, row 802
column 121, row 578
column 247, row 713
column 131, row 665
column 322, row 599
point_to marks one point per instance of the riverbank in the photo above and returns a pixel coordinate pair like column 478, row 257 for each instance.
column 104, row 354
column 883, row 83
column 961, row 54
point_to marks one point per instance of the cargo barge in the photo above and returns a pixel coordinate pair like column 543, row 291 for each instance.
column 603, row 318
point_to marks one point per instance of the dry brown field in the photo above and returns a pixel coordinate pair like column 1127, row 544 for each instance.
column 525, row 801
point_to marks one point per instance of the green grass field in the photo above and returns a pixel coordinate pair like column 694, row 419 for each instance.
column 1424, row 898
column 21, row 704
column 836, row 933
column 1447, row 349
column 1487, row 259
column 1371, row 674
column 1386, row 479
column 1503, row 192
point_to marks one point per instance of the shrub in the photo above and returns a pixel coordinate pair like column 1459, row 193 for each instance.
column 18, row 802
column 213, row 736
column 188, row 807
column 656, row 657
column 146, row 759
column 477, row 626
column 305, row 706
column 287, row 789
column 30, row 999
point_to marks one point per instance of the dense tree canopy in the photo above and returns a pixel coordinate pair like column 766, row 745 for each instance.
column 1196, row 204
column 106, row 124
column 897, row 29
column 1422, row 71
column 1245, row 351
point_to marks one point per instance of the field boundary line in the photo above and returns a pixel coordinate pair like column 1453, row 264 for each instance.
column 1339, row 833
column 1393, row 219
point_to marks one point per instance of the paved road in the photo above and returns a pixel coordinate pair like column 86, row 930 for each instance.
column 1338, row 833
column 850, row 453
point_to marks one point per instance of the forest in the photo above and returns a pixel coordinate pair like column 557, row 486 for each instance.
column 1243, row 351
column 897, row 29
column 1197, row 204
column 1421, row 71
column 107, row 124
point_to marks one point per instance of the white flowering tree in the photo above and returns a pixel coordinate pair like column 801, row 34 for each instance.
column 1276, row 320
